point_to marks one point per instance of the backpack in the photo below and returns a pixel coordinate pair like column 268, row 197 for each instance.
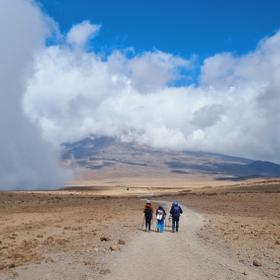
column 160, row 214
column 176, row 211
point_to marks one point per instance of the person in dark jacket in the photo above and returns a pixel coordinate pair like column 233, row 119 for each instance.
column 175, row 213
column 160, row 214
column 148, row 215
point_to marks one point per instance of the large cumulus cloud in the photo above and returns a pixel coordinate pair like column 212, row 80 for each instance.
column 26, row 160
column 233, row 108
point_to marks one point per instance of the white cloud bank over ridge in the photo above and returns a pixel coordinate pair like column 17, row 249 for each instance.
column 233, row 110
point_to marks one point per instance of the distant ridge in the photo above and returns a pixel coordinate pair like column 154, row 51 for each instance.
column 100, row 153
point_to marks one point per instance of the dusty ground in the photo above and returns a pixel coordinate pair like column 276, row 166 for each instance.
column 60, row 234
column 244, row 220
column 178, row 256
column 57, row 234
column 142, row 177
column 161, row 180
column 160, row 185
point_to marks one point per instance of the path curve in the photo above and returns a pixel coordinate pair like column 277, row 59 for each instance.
column 177, row 256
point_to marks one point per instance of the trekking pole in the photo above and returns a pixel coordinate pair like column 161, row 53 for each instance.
column 169, row 220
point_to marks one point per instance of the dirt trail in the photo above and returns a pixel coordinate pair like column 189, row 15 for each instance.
column 177, row 256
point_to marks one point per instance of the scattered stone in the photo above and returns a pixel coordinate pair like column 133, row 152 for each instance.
column 49, row 240
column 12, row 265
column 103, row 238
column 77, row 228
column 104, row 271
column 88, row 263
column 121, row 242
column 277, row 242
column 257, row 262
column 49, row 260
column 61, row 241
column 115, row 247
column 17, row 256
column 14, row 274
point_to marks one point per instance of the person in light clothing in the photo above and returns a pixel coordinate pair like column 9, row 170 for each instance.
column 160, row 214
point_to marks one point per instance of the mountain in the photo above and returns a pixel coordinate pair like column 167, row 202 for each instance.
column 100, row 154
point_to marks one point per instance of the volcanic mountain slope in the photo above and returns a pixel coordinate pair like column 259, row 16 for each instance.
column 105, row 154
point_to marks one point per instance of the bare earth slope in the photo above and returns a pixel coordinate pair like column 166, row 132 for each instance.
column 177, row 256
column 105, row 161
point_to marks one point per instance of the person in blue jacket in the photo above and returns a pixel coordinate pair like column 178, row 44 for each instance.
column 175, row 213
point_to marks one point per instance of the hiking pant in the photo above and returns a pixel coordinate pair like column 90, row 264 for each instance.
column 160, row 225
column 175, row 223
column 148, row 224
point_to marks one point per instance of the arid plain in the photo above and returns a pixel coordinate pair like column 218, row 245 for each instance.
column 69, row 234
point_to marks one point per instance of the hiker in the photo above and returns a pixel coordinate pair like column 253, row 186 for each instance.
column 148, row 215
column 160, row 214
column 175, row 213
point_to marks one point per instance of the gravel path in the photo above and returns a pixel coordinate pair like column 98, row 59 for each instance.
column 175, row 256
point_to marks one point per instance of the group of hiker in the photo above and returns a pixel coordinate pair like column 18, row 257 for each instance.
column 175, row 213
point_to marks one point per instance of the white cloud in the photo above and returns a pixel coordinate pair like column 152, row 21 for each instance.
column 26, row 160
column 80, row 33
column 153, row 70
column 233, row 109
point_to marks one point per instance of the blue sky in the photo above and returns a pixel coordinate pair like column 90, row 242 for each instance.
column 180, row 27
